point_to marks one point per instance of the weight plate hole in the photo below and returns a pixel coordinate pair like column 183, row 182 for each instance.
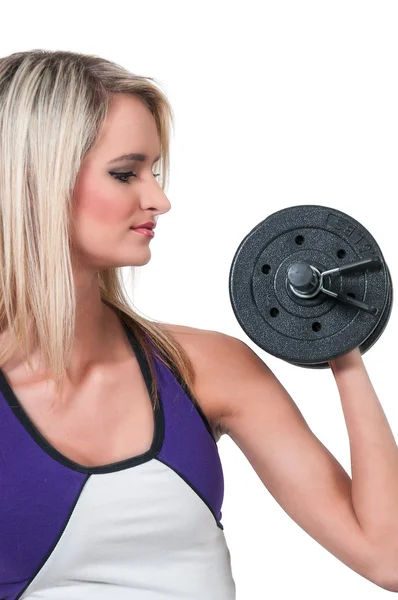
column 274, row 312
column 341, row 253
column 316, row 326
column 266, row 269
column 299, row 240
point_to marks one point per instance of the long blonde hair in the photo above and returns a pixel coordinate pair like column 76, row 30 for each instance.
column 52, row 105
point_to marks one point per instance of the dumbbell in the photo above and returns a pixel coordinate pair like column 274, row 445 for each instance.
column 310, row 283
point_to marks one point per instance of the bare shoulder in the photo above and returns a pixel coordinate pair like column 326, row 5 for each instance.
column 201, row 345
column 214, row 356
column 187, row 335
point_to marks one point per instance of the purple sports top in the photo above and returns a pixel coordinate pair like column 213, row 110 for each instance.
column 145, row 528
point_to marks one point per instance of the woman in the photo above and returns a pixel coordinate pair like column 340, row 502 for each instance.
column 111, row 482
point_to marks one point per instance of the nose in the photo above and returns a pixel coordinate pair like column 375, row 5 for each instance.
column 154, row 198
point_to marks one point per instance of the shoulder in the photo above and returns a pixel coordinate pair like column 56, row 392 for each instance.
column 201, row 345
column 218, row 360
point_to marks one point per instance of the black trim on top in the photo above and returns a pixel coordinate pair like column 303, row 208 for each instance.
column 159, row 423
column 175, row 372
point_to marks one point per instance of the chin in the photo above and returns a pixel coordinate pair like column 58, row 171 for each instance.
column 138, row 261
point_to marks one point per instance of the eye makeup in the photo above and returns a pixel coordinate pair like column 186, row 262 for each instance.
column 123, row 177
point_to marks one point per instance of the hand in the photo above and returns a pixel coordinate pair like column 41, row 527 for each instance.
column 346, row 361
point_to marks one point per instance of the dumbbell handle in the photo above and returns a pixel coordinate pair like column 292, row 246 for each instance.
column 360, row 265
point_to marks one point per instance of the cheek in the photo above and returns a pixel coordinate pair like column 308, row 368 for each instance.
column 100, row 205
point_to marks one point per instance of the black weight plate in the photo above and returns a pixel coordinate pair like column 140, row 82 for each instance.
column 308, row 332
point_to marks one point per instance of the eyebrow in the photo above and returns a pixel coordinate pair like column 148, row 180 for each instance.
column 134, row 156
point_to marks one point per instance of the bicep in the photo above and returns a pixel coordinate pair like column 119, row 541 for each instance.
column 296, row 468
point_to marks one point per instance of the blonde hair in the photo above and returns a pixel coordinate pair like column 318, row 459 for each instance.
column 52, row 105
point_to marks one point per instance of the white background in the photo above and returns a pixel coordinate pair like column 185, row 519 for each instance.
column 276, row 104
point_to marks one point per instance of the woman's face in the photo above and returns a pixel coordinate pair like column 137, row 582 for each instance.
column 105, row 207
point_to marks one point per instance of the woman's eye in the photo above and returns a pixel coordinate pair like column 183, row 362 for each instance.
column 123, row 177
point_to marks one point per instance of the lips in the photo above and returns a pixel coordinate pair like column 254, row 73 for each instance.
column 143, row 231
column 147, row 225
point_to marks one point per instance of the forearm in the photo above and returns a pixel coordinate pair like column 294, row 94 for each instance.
column 374, row 454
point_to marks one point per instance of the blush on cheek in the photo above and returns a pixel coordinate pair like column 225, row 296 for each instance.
column 100, row 207
column 103, row 211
